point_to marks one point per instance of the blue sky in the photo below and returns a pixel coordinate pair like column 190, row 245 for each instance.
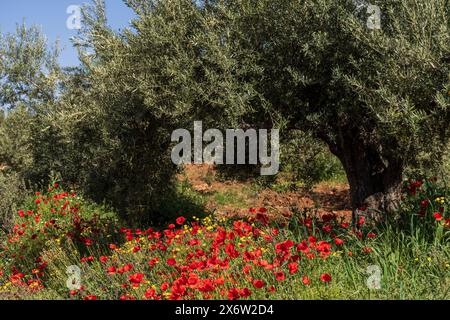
column 51, row 16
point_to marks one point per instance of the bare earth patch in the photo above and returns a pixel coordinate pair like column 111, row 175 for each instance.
column 325, row 198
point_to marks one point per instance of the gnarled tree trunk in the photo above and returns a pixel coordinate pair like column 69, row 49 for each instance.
column 375, row 179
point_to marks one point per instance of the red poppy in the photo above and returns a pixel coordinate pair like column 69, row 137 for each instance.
column 164, row 286
column 245, row 293
column 338, row 241
column 233, row 294
column 231, row 251
column 262, row 218
column 279, row 275
column 73, row 292
column 306, row 281
column 152, row 262
column 367, row 250
column 150, row 294
column 128, row 267
column 324, row 247
column 111, row 270
column 136, row 249
column 303, row 247
column 136, row 278
column 437, row 216
column 328, row 217
column 293, row 267
column 325, row 277
column 180, row 220
column 361, row 220
column 171, row 262
column 259, row 284
column 447, row 222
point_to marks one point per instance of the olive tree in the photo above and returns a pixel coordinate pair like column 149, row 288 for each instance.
column 378, row 97
column 29, row 70
column 29, row 80
column 370, row 80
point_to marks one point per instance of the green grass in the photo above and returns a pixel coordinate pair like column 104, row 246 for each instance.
column 412, row 255
column 409, row 269
column 232, row 197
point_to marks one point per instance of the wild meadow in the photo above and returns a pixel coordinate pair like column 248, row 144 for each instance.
column 63, row 247
column 208, row 150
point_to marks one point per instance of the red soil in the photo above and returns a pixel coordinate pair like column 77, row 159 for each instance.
column 323, row 199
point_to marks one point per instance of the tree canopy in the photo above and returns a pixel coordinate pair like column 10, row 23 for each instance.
column 378, row 97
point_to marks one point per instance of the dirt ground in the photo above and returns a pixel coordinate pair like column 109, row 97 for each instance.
column 325, row 198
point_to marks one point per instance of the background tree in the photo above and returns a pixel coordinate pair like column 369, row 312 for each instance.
column 115, row 124
column 29, row 71
column 29, row 79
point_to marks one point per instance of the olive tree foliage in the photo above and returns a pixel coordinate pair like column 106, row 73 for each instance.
column 29, row 80
column 99, row 130
column 379, row 98
column 29, row 71
column 108, row 117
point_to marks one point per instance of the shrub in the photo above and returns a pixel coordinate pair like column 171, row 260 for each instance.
column 15, row 140
column 55, row 216
column 12, row 194
column 306, row 161
column 96, row 131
